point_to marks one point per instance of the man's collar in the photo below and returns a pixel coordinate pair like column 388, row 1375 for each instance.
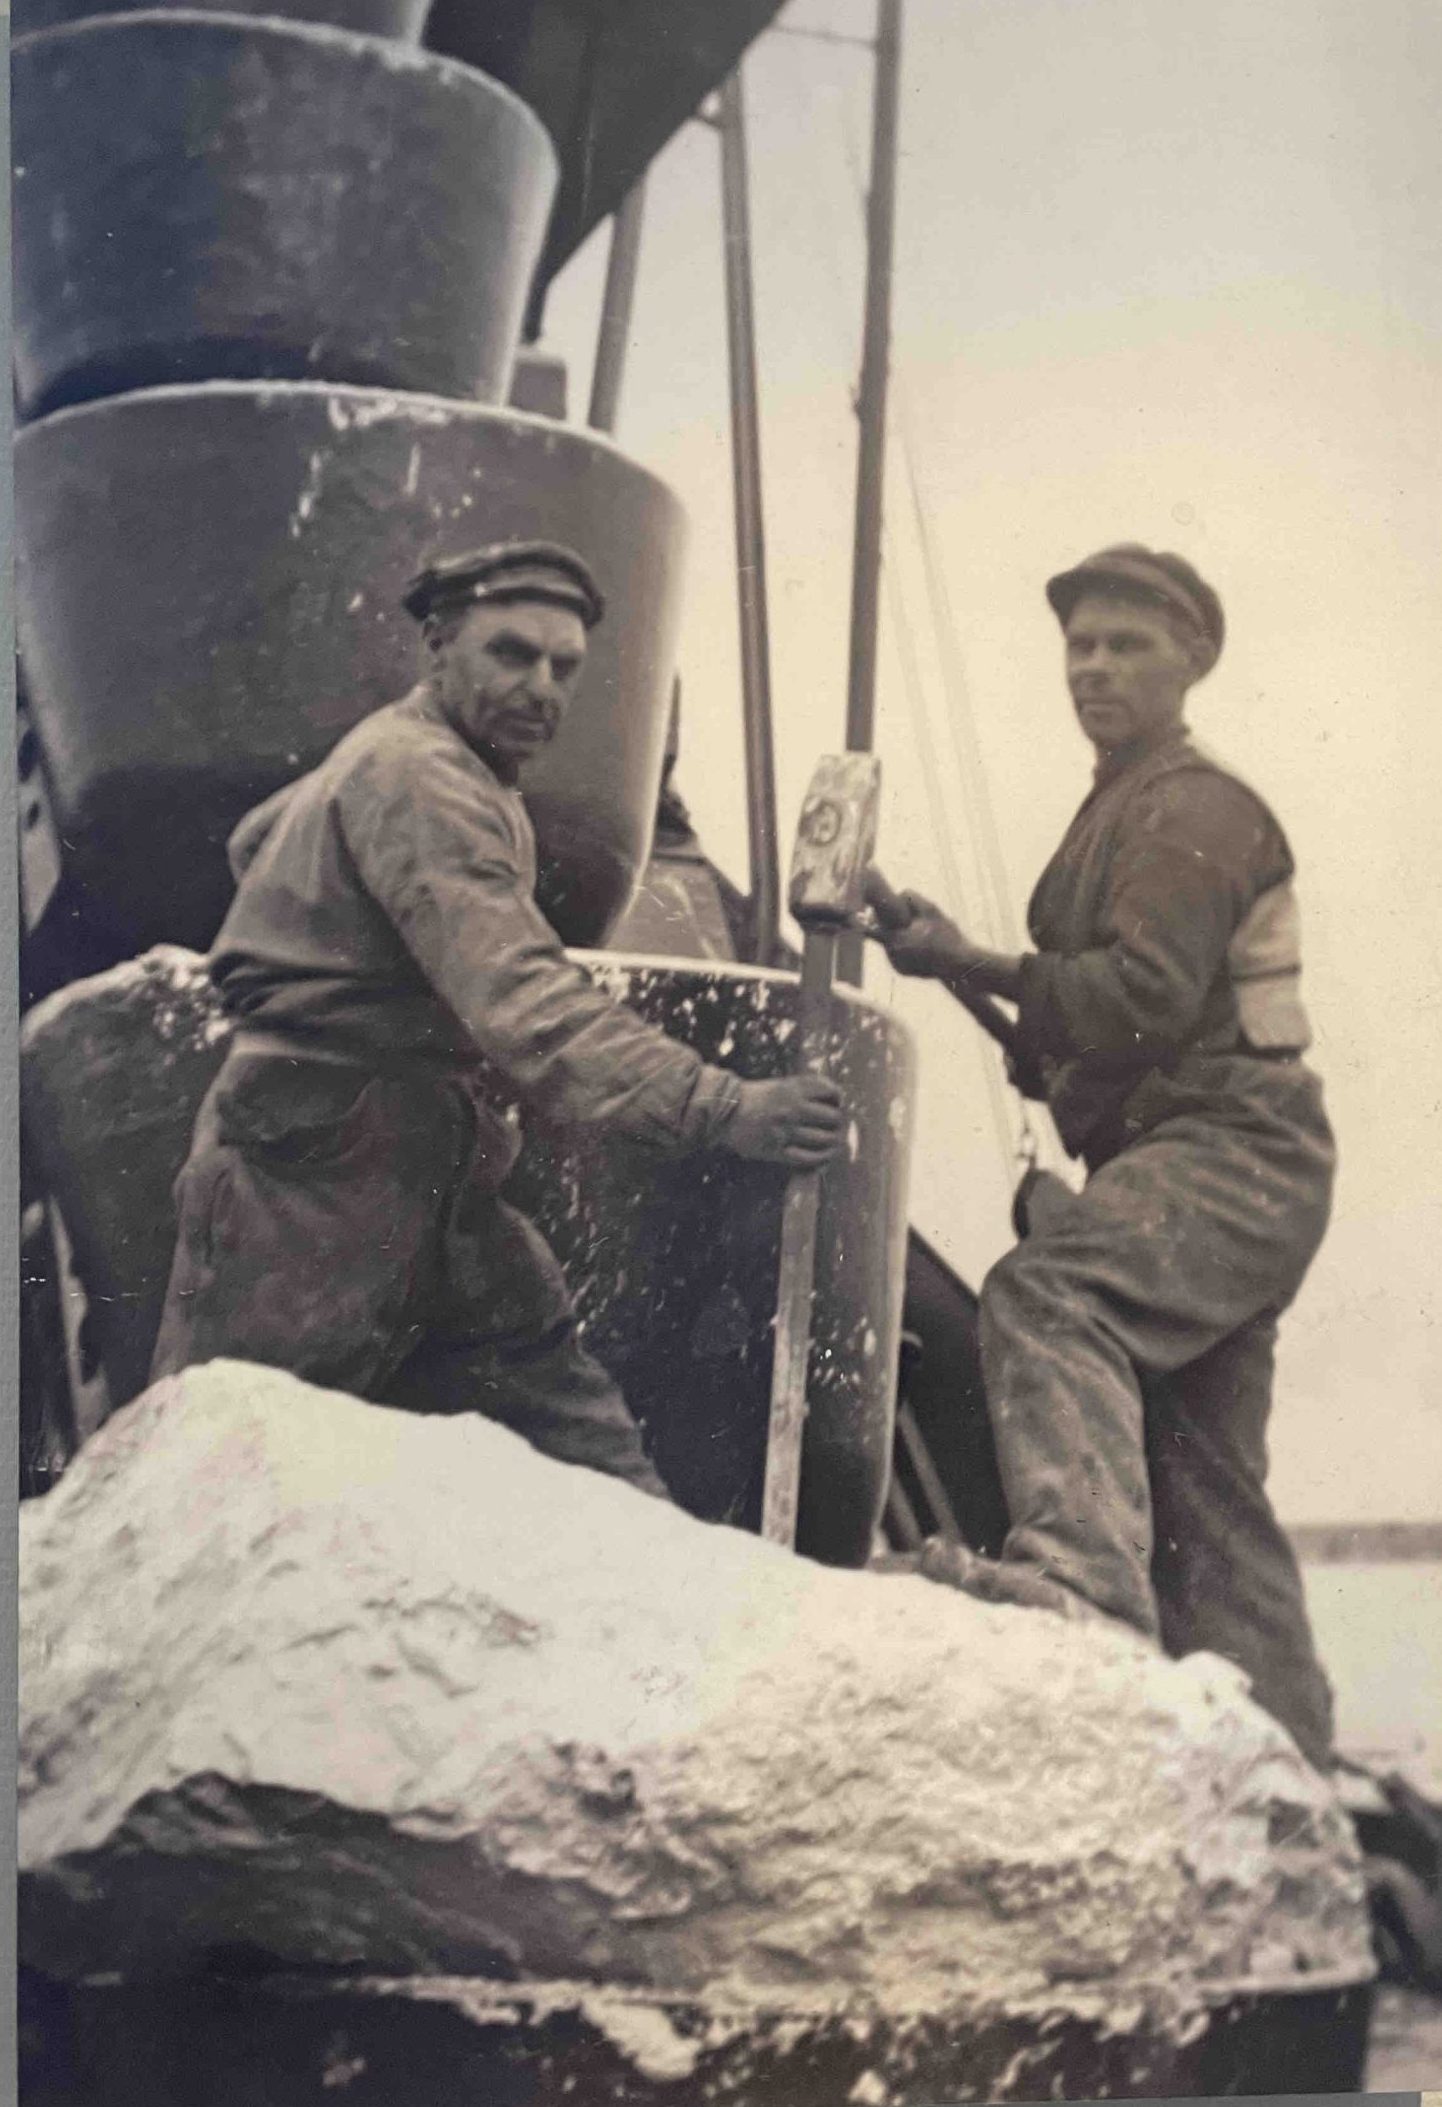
column 425, row 703
column 1120, row 758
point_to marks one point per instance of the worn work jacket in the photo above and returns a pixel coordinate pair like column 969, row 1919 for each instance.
column 384, row 913
column 1165, row 925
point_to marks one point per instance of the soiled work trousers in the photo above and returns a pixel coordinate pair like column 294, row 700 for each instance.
column 1127, row 1346
column 346, row 1226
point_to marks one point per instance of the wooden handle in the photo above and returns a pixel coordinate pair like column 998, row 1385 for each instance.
column 988, row 1014
column 796, row 1281
column 892, row 913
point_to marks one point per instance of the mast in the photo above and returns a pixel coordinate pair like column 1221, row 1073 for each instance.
column 871, row 404
column 613, row 334
column 750, row 526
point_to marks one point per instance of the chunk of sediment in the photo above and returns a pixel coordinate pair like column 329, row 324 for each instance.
column 337, row 1686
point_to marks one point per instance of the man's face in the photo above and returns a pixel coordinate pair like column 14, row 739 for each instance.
column 1127, row 671
column 506, row 676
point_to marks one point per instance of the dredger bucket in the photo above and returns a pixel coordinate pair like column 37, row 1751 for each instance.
column 208, row 586
column 673, row 1264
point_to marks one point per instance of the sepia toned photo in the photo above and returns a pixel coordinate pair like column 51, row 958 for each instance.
column 729, row 1075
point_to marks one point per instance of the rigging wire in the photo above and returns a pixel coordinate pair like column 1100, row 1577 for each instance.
column 821, row 36
column 998, row 919
column 1000, row 922
column 992, row 917
column 960, row 717
column 981, row 807
column 955, row 890
column 958, row 892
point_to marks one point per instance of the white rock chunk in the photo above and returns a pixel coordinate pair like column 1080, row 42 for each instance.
column 343, row 1686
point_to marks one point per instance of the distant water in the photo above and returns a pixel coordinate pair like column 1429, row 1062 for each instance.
column 1379, row 1630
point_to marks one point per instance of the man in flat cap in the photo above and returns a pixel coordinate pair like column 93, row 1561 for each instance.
column 395, row 988
column 1127, row 1341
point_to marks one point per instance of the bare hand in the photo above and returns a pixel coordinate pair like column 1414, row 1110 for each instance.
column 798, row 1121
column 928, row 944
column 886, row 904
column 920, row 939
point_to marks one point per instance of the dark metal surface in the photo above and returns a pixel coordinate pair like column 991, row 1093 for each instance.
column 611, row 82
column 610, row 79
column 617, row 299
column 941, row 1380
column 205, row 197
column 676, row 1264
column 673, row 1264
column 269, row 2043
column 47, row 1427
column 208, row 587
column 401, row 19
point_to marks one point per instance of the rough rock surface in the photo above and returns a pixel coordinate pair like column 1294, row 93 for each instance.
column 343, row 1686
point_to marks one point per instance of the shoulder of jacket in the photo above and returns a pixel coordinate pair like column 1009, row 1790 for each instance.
column 378, row 733
column 413, row 759
column 401, row 739
column 1188, row 766
column 1190, row 778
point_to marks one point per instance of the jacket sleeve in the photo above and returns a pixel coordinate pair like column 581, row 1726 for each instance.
column 251, row 833
column 435, row 846
column 1192, row 858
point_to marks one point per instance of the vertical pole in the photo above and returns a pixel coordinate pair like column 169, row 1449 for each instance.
column 871, row 405
column 796, row 1283
column 750, row 528
column 616, row 304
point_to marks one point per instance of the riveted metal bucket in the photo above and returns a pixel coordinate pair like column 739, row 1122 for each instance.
column 208, row 594
column 402, row 19
column 209, row 196
column 673, row 1265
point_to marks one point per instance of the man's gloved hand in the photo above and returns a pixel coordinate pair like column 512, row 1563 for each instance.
column 798, row 1121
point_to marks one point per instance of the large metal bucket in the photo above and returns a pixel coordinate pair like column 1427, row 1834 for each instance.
column 401, row 19
column 673, row 1265
column 208, row 583
column 209, row 196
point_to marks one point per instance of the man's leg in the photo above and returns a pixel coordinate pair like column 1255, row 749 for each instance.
column 303, row 1222
column 1174, row 1245
column 1225, row 1575
column 505, row 1344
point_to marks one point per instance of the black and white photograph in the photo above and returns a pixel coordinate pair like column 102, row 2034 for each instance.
column 729, row 1157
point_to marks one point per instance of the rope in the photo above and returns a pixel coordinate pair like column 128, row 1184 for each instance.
column 821, row 36
column 960, row 718
column 954, row 889
column 1001, row 916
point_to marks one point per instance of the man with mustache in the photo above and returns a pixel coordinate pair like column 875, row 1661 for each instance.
column 395, row 988
column 1127, row 1341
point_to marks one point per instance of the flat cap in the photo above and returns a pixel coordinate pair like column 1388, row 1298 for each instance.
column 507, row 570
column 1166, row 580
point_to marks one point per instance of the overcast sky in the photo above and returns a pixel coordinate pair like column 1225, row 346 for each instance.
column 1166, row 274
